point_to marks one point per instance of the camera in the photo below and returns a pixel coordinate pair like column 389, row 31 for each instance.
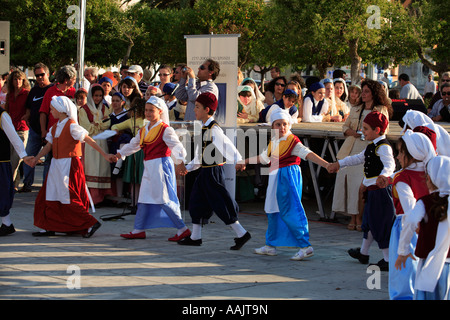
column 184, row 69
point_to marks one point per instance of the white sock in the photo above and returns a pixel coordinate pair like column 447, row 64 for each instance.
column 6, row 221
column 196, row 232
column 137, row 231
column 180, row 231
column 240, row 231
column 366, row 244
column 385, row 254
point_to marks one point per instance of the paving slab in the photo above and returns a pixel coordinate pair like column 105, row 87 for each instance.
column 112, row 268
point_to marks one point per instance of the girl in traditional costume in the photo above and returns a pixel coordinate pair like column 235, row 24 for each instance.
column 91, row 117
column 62, row 204
column 414, row 151
column 158, row 204
column 287, row 221
column 431, row 216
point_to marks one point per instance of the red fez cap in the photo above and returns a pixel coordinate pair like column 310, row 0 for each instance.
column 208, row 99
column 428, row 132
column 376, row 119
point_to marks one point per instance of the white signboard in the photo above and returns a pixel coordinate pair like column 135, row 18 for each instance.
column 222, row 48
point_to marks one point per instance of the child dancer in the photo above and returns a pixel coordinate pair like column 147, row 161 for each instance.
column 209, row 192
column 414, row 151
column 287, row 222
column 431, row 216
column 62, row 204
column 379, row 165
column 8, row 134
column 158, row 205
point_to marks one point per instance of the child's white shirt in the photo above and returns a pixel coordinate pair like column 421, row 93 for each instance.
column 386, row 156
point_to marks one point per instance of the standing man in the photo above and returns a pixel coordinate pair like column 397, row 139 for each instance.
column 33, row 104
column 408, row 90
column 430, row 87
column 207, row 73
column 65, row 80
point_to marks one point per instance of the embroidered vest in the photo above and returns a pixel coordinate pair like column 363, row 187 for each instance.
column 153, row 144
column 427, row 230
column 65, row 146
column 281, row 156
column 372, row 164
column 417, row 183
column 316, row 109
column 89, row 113
column 211, row 157
column 5, row 146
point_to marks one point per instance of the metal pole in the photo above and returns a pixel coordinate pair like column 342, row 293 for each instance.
column 80, row 44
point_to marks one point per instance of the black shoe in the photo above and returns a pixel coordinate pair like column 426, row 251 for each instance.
column 189, row 242
column 382, row 264
column 5, row 230
column 241, row 241
column 43, row 234
column 356, row 254
column 24, row 189
column 93, row 229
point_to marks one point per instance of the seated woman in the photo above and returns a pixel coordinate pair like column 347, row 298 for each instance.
column 274, row 91
column 248, row 106
column 315, row 106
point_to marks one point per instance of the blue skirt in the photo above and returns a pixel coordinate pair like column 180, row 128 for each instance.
column 6, row 188
column 442, row 290
column 289, row 227
column 401, row 282
column 167, row 215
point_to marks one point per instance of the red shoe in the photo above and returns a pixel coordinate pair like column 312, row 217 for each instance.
column 140, row 235
column 185, row 234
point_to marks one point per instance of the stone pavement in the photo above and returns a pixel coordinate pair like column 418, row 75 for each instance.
column 112, row 268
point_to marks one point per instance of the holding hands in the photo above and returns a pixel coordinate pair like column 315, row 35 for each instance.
column 333, row 167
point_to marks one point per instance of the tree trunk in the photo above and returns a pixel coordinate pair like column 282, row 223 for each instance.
column 127, row 55
column 440, row 68
column 355, row 61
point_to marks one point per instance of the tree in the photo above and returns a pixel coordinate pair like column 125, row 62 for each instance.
column 40, row 32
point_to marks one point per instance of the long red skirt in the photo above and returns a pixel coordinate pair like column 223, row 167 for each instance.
column 73, row 217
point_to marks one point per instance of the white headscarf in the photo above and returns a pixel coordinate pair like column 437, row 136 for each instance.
column 96, row 112
column 160, row 104
column 345, row 87
column 280, row 114
column 437, row 169
column 251, row 107
column 419, row 146
column 64, row 105
column 413, row 118
column 257, row 92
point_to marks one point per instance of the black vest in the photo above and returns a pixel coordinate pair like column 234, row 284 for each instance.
column 5, row 155
column 372, row 163
column 211, row 157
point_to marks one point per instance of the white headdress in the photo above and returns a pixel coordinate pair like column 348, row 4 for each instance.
column 64, row 105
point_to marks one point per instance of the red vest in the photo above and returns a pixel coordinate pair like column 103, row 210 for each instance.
column 415, row 180
column 65, row 146
column 89, row 113
column 427, row 230
column 281, row 156
column 153, row 144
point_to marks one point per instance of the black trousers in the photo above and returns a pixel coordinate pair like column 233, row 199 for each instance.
column 209, row 195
